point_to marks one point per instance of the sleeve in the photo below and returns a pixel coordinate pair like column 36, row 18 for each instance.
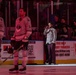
column 28, row 28
column 3, row 25
column 54, row 36
column 45, row 32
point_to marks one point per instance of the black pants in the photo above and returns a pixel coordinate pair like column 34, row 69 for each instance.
column 17, row 44
column 46, row 53
column 50, row 54
column 24, row 52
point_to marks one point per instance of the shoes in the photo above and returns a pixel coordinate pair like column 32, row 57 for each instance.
column 52, row 64
column 22, row 69
column 46, row 63
column 14, row 69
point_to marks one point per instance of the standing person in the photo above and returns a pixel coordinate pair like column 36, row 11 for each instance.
column 2, row 29
column 23, row 30
column 51, row 35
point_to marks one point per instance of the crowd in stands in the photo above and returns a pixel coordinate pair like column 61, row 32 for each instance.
column 64, row 31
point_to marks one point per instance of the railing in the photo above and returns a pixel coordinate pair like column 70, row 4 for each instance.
column 40, row 12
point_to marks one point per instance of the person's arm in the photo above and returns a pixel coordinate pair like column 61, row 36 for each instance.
column 46, row 30
column 54, row 33
column 28, row 29
column 3, row 25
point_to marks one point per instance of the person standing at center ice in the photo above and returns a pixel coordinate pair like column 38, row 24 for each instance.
column 51, row 36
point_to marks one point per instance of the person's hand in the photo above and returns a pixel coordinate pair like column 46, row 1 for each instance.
column 47, row 27
column 25, row 39
column 12, row 38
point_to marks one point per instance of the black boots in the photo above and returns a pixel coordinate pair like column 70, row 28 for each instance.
column 14, row 69
column 22, row 69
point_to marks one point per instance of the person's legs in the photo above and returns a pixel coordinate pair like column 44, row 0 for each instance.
column 24, row 59
column 53, row 53
column 49, row 53
column 15, row 62
column 16, row 52
column 46, row 54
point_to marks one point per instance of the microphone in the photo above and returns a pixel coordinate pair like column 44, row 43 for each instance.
column 47, row 27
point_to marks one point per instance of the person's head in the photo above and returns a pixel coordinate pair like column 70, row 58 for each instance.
column 50, row 25
column 22, row 12
column 74, row 23
column 56, row 18
column 63, row 20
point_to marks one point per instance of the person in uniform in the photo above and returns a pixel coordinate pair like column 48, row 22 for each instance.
column 23, row 30
column 2, row 30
